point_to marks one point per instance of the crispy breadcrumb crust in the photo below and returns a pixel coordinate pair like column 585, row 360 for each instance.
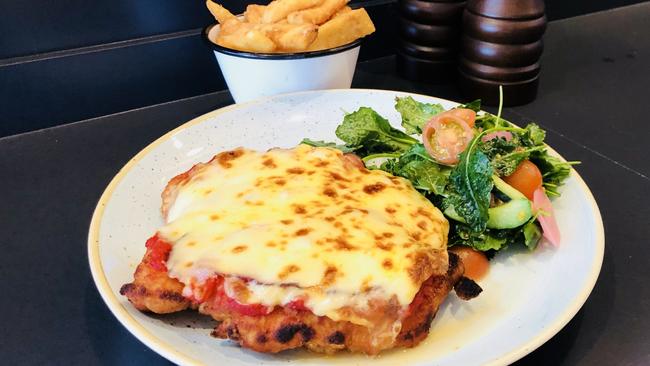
column 284, row 328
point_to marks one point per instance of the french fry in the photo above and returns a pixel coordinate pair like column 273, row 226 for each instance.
column 279, row 9
column 343, row 29
column 252, row 40
column 317, row 15
column 220, row 13
column 290, row 37
column 298, row 38
column 234, row 25
column 343, row 10
column 254, row 13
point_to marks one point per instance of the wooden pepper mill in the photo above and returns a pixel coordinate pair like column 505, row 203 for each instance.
column 501, row 45
column 429, row 33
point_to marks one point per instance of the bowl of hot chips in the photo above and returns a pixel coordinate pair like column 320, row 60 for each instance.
column 287, row 46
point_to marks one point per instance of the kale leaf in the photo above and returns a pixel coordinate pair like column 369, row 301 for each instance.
column 415, row 114
column 367, row 133
column 320, row 143
column 470, row 183
column 417, row 166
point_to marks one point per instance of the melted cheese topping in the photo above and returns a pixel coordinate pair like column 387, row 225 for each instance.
column 304, row 222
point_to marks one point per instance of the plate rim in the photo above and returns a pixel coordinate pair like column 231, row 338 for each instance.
column 163, row 349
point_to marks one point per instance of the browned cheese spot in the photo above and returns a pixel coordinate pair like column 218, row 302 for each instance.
column 224, row 159
column 422, row 225
column 299, row 209
column 329, row 218
column 239, row 249
column 330, row 192
column 322, row 163
column 189, row 264
column 387, row 264
column 292, row 268
column 384, row 246
column 387, row 235
column 207, row 192
column 295, row 170
column 302, row 232
column 419, row 269
column 311, row 172
column 214, row 217
column 425, row 213
column 374, row 188
column 329, row 277
column 280, row 182
column 271, row 244
column 390, row 210
column 286, row 222
column 269, row 163
column 338, row 176
column 350, row 197
column 338, row 224
column 365, row 285
column 416, row 235
column 191, row 244
column 342, row 244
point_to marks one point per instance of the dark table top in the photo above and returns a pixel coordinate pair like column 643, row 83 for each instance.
column 592, row 100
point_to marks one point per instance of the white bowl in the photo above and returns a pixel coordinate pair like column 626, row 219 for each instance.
column 252, row 75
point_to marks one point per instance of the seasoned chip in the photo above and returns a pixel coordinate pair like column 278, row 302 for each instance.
column 219, row 12
column 343, row 29
column 279, row 9
column 254, row 13
column 317, row 15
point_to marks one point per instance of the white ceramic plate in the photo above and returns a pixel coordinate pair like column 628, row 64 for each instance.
column 527, row 298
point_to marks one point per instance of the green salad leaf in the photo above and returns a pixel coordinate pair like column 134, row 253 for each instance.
column 417, row 166
column 366, row 132
column 320, row 143
column 415, row 114
column 470, row 183
column 527, row 235
column 554, row 171
column 474, row 105
column 532, row 234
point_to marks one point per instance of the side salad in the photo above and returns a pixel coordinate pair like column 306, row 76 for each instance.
column 492, row 179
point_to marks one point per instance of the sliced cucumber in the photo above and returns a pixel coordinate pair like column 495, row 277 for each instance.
column 509, row 215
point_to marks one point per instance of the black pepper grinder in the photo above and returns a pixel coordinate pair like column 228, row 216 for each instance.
column 429, row 32
column 501, row 44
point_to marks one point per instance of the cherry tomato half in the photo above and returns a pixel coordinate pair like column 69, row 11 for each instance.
column 526, row 178
column 446, row 136
column 475, row 262
column 467, row 115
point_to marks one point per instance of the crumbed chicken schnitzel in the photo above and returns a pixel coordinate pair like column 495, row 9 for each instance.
column 300, row 247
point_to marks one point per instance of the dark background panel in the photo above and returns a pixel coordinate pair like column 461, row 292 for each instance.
column 61, row 90
column 559, row 9
column 38, row 26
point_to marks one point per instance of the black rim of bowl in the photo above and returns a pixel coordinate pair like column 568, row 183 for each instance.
column 274, row 56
